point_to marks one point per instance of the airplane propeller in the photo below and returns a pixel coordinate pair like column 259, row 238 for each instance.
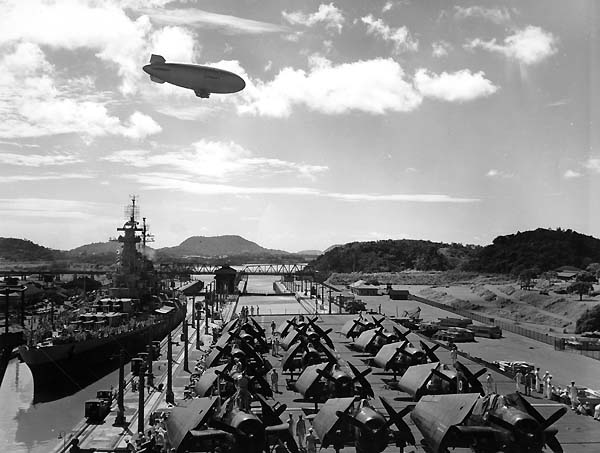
column 430, row 351
column 323, row 334
column 359, row 377
column 472, row 379
column 397, row 418
column 542, row 431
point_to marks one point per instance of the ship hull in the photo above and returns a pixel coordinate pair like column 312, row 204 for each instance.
column 64, row 369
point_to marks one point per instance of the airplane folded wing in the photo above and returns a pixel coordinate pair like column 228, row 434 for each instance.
column 438, row 418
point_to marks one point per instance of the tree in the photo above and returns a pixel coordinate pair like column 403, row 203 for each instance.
column 589, row 321
column 580, row 288
column 355, row 306
column 526, row 276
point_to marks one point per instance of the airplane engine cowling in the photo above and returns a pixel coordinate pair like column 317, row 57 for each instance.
column 250, row 432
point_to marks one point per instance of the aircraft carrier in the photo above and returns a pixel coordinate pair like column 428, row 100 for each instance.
column 576, row 433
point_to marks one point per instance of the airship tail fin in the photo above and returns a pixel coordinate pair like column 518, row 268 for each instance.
column 156, row 59
column 156, row 79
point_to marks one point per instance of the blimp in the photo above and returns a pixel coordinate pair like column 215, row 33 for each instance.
column 203, row 80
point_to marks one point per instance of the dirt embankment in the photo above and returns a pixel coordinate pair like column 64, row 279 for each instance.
column 496, row 296
column 545, row 309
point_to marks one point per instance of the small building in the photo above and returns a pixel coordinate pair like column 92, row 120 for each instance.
column 225, row 280
column 193, row 288
column 365, row 290
column 398, row 293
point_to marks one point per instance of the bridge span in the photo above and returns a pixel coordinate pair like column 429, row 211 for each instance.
column 170, row 270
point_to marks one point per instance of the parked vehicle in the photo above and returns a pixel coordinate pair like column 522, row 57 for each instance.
column 486, row 331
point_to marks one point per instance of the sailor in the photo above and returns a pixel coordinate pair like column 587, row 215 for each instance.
column 573, row 395
column 276, row 346
column 311, row 441
column 453, row 354
column 597, row 412
column 290, row 422
column 545, row 382
column 519, row 380
column 549, row 387
column 301, row 431
column 529, row 382
column 242, row 394
column 538, row 380
column 489, row 384
column 257, row 310
column 275, row 381
column 252, row 310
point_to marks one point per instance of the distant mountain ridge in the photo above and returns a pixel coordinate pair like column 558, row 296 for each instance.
column 215, row 246
column 540, row 249
column 14, row 249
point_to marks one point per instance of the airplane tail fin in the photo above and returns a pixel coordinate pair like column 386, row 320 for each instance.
column 156, row 59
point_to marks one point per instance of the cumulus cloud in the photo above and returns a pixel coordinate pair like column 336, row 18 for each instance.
column 495, row 15
column 101, row 26
column 214, row 160
column 174, row 43
column 329, row 15
column 140, row 126
column 459, row 86
column 372, row 86
column 38, row 160
column 440, row 48
column 571, row 174
column 400, row 37
column 35, row 101
column 529, row 46
column 387, row 6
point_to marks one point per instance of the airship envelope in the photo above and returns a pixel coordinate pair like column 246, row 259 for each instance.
column 204, row 80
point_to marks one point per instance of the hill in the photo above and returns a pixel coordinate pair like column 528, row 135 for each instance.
column 96, row 252
column 216, row 246
column 541, row 249
column 393, row 256
column 22, row 250
column 309, row 252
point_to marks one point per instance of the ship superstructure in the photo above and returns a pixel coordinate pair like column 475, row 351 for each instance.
column 132, row 314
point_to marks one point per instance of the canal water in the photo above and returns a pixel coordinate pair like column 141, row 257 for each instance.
column 35, row 428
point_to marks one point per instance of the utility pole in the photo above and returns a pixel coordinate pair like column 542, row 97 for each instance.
column 197, row 311
column 141, row 388
column 120, row 419
column 206, row 316
column 193, row 310
column 23, row 306
column 150, row 349
column 169, row 396
column 7, row 294
column 185, row 345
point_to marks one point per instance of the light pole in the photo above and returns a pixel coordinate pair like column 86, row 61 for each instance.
column 170, row 397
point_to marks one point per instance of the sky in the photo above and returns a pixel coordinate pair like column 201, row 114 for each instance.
column 436, row 120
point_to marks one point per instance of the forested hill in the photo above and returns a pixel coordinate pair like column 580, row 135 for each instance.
column 541, row 249
column 393, row 256
column 13, row 249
